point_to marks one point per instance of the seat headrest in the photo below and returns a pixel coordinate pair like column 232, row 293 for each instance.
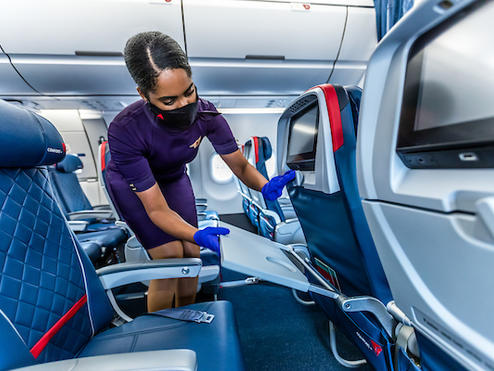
column 27, row 139
column 267, row 148
column 69, row 164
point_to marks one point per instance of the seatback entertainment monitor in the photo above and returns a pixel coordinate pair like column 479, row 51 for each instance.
column 447, row 117
column 302, row 139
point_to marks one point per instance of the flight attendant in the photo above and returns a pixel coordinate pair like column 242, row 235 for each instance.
column 150, row 143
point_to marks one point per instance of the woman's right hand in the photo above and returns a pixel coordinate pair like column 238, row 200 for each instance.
column 208, row 238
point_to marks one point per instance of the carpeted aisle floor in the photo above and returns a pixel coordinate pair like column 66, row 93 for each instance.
column 276, row 332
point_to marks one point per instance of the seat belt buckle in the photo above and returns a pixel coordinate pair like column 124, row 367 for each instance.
column 205, row 318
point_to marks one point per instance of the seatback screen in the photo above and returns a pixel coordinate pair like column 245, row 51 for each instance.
column 454, row 68
column 303, row 139
column 447, row 115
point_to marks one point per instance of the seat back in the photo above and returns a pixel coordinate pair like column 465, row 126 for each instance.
column 334, row 222
column 243, row 190
column 329, row 208
column 49, row 292
column 66, row 185
column 250, row 207
column 264, row 151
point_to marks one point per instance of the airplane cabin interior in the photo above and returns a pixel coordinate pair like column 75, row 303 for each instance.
column 375, row 255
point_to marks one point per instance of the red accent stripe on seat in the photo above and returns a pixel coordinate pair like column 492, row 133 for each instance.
column 334, row 114
column 102, row 155
column 256, row 148
column 45, row 339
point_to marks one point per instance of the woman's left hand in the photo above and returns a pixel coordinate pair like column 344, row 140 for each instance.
column 274, row 188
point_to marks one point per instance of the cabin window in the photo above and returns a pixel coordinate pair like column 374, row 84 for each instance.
column 220, row 172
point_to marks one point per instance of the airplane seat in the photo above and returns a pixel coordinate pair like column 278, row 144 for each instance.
column 83, row 219
column 317, row 137
column 92, row 249
column 243, row 190
column 272, row 221
column 426, row 174
column 53, row 304
column 248, row 203
column 282, row 206
column 73, row 200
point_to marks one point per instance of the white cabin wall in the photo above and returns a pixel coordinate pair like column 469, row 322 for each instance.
column 69, row 124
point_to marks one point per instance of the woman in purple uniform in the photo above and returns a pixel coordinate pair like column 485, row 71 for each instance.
column 150, row 142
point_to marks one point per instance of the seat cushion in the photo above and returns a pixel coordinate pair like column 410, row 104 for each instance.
column 92, row 249
column 216, row 344
column 101, row 225
column 108, row 238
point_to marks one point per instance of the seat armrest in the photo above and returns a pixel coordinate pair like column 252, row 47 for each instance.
column 90, row 214
column 166, row 360
column 200, row 207
column 122, row 274
column 78, row 225
column 102, row 207
column 290, row 221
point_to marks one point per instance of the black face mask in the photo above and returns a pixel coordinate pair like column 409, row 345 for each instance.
column 179, row 119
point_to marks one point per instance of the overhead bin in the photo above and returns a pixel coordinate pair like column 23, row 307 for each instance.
column 358, row 45
column 236, row 47
column 262, row 30
column 75, row 47
column 260, row 47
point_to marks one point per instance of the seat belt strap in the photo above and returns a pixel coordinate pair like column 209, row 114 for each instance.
column 183, row 314
column 403, row 335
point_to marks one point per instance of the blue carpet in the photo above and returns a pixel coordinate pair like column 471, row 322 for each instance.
column 277, row 333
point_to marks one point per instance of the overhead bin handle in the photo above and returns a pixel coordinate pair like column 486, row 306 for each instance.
column 265, row 57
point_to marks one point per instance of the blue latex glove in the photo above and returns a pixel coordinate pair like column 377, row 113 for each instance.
column 208, row 238
column 273, row 189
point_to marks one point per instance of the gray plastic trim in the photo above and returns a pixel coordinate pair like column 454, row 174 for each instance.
column 430, row 227
column 87, row 214
column 257, row 256
column 324, row 177
column 125, row 273
column 162, row 360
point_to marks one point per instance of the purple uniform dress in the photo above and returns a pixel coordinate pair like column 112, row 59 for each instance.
column 144, row 152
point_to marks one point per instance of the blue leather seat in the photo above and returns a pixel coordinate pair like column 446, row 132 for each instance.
column 72, row 199
column 52, row 303
column 146, row 333
column 338, row 237
column 92, row 249
column 249, row 207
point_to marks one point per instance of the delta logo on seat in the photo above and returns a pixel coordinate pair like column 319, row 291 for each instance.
column 376, row 348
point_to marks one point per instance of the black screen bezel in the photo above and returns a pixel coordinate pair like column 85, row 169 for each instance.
column 303, row 161
column 459, row 136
